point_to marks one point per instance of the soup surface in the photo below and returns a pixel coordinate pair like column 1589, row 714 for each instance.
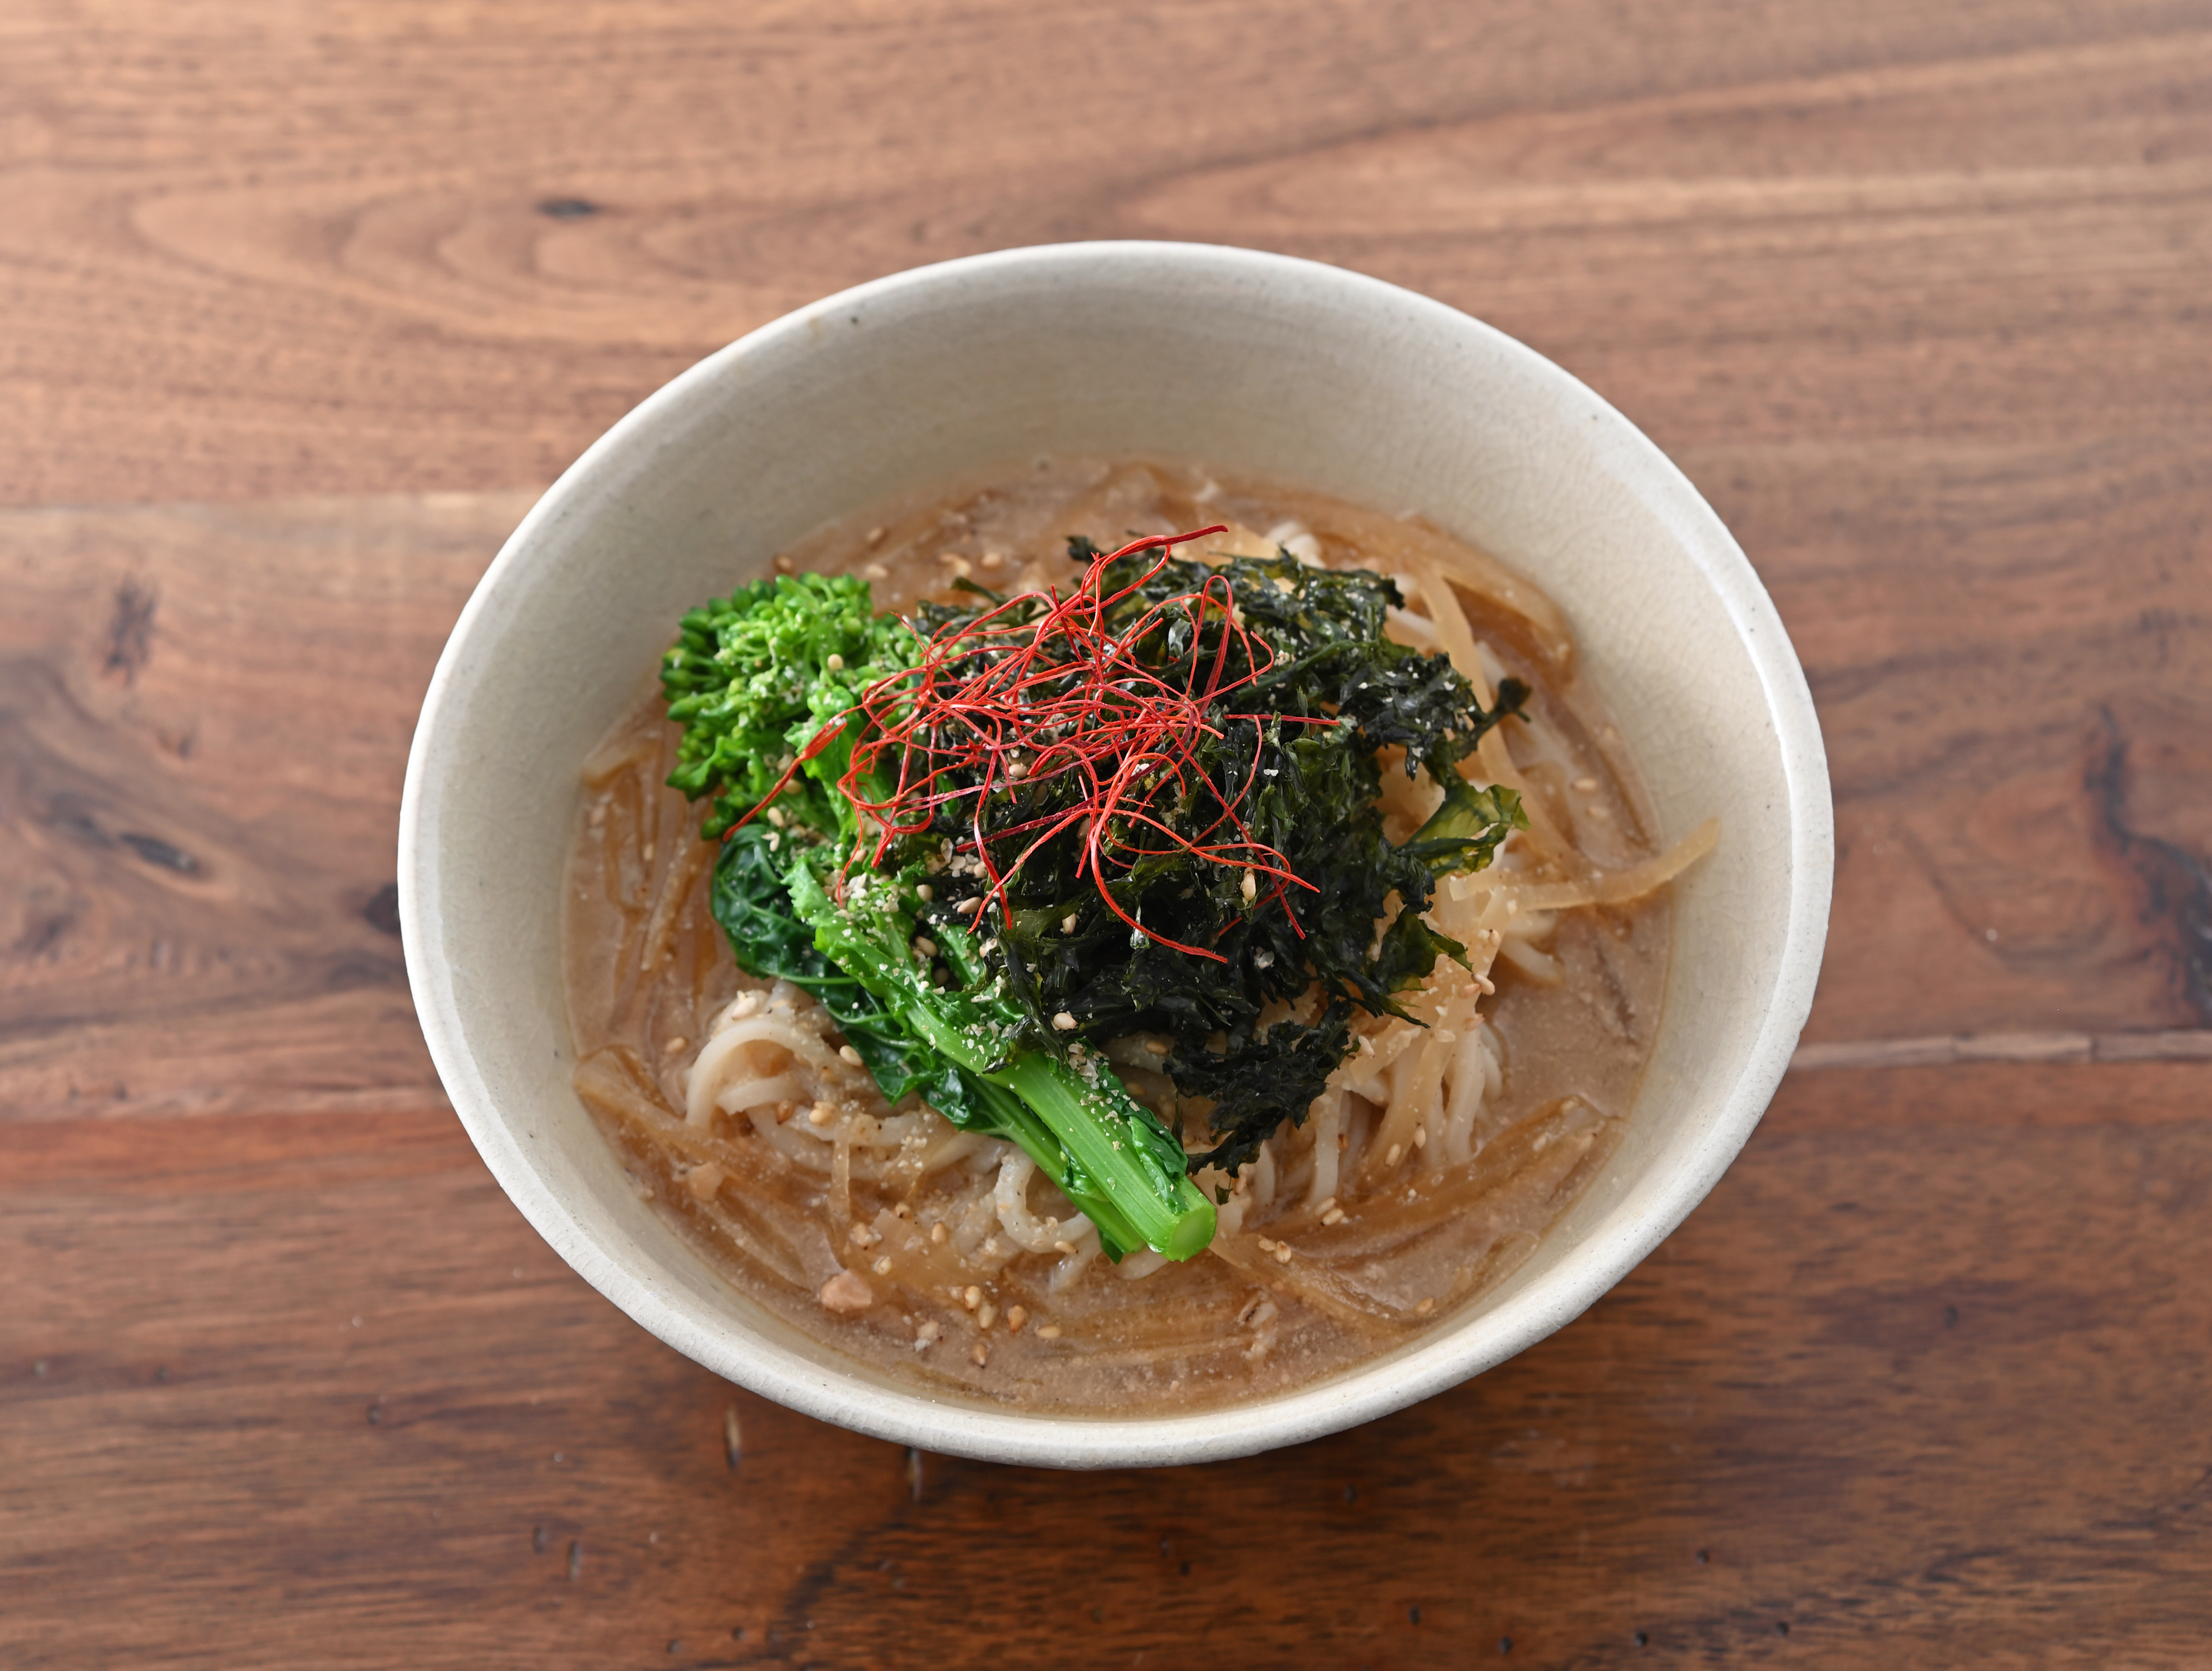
column 1426, row 1172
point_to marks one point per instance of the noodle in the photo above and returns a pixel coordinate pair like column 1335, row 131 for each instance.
column 1434, row 1158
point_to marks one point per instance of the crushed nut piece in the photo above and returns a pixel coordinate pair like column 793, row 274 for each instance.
column 846, row 1292
column 704, row 1179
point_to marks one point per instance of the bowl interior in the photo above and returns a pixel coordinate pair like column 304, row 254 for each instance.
column 1253, row 364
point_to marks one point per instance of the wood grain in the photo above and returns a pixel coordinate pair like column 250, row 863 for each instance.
column 301, row 307
column 386, row 1447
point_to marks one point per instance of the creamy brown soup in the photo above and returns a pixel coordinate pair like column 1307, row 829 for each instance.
column 1426, row 1172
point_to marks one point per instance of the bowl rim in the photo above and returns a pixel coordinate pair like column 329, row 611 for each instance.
column 910, row 1417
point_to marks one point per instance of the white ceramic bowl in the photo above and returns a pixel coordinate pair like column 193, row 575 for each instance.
column 1253, row 363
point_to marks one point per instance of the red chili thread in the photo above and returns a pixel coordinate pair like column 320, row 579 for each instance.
column 1071, row 694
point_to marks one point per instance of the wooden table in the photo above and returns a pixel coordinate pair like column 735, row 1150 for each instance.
column 301, row 305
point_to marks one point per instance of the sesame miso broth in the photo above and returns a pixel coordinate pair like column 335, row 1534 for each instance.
column 1442, row 1144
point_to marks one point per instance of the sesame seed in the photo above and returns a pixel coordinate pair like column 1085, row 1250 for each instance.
column 783, row 564
column 1064, row 1021
column 986, row 1314
column 980, row 1353
column 875, row 538
column 835, row 662
column 1282, row 1252
column 1249, row 888
column 972, row 1297
column 875, row 571
column 1067, row 923
column 938, row 1235
column 1424, row 1308
column 992, row 561
column 1016, row 1317
column 1396, row 1149
column 1050, row 1332
column 925, row 893
column 820, row 1114
column 1420, row 1137
column 883, row 1266
column 849, row 1054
